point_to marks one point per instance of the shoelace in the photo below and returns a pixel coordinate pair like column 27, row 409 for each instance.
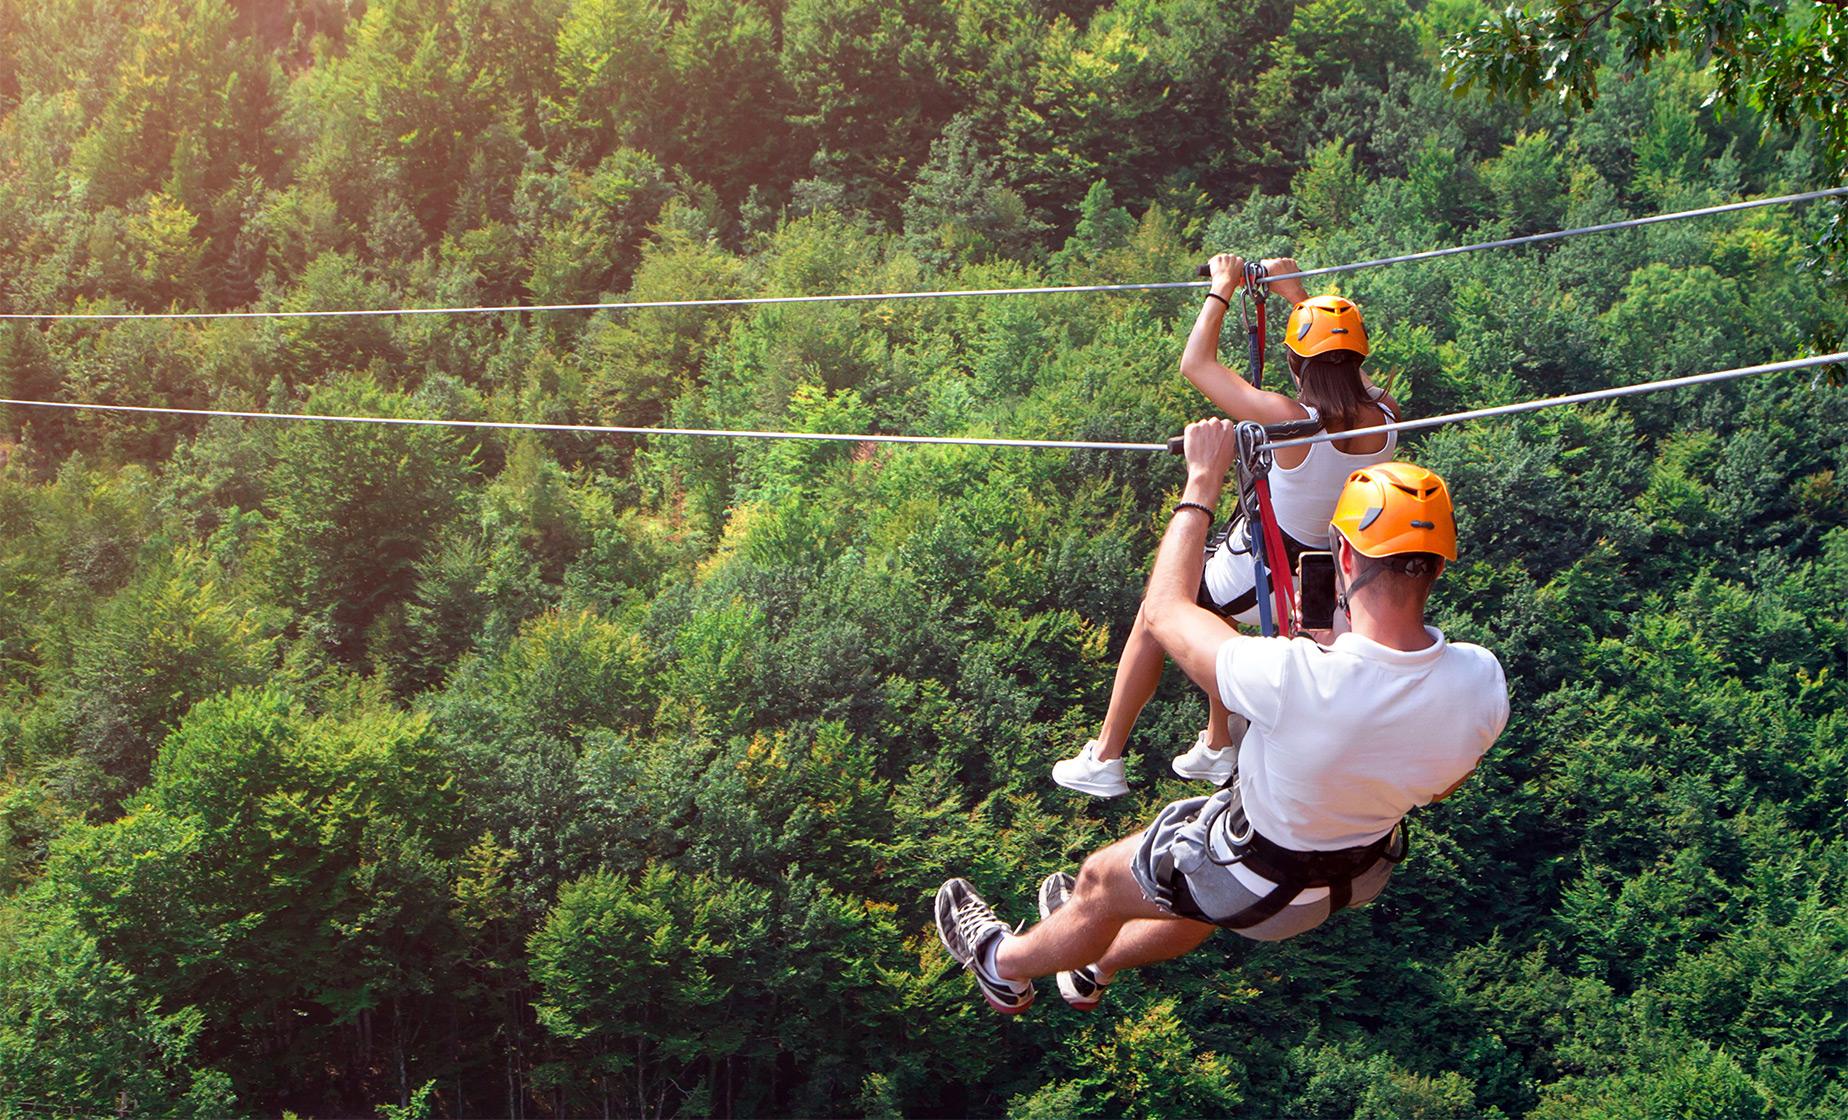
column 971, row 916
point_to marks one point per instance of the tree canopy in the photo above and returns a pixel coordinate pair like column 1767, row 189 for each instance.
column 408, row 771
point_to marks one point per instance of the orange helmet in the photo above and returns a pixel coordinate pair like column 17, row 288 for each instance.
column 1323, row 323
column 1393, row 508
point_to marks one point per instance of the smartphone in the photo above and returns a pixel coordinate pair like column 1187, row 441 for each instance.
column 1315, row 591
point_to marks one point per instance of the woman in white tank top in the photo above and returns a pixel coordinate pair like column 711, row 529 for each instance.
column 1326, row 343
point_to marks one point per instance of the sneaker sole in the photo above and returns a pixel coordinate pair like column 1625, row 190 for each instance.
column 1077, row 1002
column 1079, row 785
column 1001, row 1008
column 1204, row 776
column 1045, row 909
column 941, row 904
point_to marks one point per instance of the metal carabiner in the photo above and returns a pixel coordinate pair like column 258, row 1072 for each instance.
column 1252, row 462
column 1237, row 844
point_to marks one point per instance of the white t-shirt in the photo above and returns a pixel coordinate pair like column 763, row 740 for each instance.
column 1346, row 739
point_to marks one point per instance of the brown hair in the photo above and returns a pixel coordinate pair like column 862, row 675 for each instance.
column 1331, row 383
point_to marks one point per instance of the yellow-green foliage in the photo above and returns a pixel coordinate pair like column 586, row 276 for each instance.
column 423, row 771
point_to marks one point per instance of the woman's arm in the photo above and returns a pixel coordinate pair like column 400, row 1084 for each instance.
column 1200, row 364
column 1291, row 289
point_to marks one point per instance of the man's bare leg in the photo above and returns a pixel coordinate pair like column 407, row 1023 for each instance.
column 1105, row 898
column 1138, row 675
column 1149, row 940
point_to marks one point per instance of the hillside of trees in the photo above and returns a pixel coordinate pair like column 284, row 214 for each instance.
column 410, row 771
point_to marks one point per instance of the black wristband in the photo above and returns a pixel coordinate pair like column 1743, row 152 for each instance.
column 1208, row 510
column 1220, row 298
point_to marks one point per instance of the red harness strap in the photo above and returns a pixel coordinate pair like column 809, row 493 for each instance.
column 1278, row 562
column 1253, row 293
column 1261, row 302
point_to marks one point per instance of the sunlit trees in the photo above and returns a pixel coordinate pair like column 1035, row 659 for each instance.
column 420, row 770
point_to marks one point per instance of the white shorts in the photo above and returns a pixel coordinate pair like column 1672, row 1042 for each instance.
column 1228, row 585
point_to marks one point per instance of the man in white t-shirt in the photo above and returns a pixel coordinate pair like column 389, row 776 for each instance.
column 1345, row 739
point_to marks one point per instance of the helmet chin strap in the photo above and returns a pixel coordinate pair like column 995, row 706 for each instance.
column 1350, row 589
column 1407, row 565
column 1342, row 590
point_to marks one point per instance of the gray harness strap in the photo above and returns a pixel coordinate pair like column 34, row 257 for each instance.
column 1293, row 871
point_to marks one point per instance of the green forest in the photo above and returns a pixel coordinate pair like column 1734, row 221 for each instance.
column 351, row 770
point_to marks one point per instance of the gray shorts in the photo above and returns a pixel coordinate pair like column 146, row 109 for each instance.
column 1212, row 892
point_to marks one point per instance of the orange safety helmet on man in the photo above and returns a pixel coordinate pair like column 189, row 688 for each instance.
column 1393, row 508
column 1323, row 323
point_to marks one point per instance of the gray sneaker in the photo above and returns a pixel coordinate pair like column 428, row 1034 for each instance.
column 1080, row 986
column 965, row 925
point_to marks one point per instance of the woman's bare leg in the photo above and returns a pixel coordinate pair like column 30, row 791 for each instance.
column 1218, row 720
column 1138, row 675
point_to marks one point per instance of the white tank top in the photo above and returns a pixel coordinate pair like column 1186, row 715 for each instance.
column 1304, row 496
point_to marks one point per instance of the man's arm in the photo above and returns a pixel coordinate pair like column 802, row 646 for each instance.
column 1190, row 633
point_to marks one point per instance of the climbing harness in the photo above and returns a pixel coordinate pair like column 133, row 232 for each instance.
column 1251, row 464
column 1230, row 831
column 1228, row 838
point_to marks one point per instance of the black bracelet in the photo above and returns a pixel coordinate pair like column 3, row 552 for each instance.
column 1220, row 298
column 1208, row 510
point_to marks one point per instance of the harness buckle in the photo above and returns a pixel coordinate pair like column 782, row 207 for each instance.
column 1240, row 832
column 1234, row 829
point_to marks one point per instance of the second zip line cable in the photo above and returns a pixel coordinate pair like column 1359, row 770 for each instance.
column 1637, row 389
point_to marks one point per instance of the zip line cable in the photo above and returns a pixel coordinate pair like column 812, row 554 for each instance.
column 866, row 297
column 1533, row 238
column 1641, row 387
column 597, row 429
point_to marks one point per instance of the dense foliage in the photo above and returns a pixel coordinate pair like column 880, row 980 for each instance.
column 423, row 770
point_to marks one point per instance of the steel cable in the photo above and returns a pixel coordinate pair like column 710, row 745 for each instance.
column 866, row 297
column 1641, row 387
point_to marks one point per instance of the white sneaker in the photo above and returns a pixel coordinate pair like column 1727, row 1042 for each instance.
column 1204, row 764
column 1087, row 773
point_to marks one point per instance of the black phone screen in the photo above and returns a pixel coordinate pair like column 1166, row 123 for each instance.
column 1315, row 590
